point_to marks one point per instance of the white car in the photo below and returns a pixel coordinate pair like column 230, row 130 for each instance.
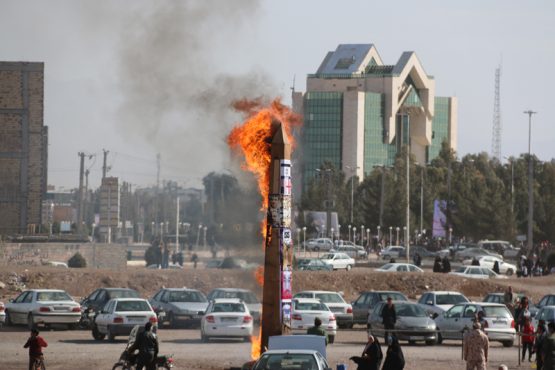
column 291, row 359
column 320, row 244
column 120, row 315
column 226, row 317
column 392, row 252
column 399, row 267
column 489, row 261
column 351, row 251
column 342, row 310
column 500, row 325
column 338, row 261
column 245, row 295
column 43, row 306
column 546, row 313
column 439, row 301
column 305, row 310
column 476, row 272
column 2, row 314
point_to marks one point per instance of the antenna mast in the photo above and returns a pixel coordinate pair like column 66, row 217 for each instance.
column 497, row 126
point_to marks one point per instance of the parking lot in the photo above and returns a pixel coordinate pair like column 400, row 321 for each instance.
column 77, row 349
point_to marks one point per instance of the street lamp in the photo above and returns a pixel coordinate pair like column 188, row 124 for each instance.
column 198, row 234
column 368, row 237
column 304, row 240
column 530, row 236
column 405, row 235
column 512, row 183
column 204, row 238
column 390, row 234
column 338, row 232
column 450, row 235
column 353, row 170
column 298, row 239
column 361, row 234
column 354, row 234
column 378, row 233
column 92, row 232
column 397, row 229
column 349, row 232
column 332, row 230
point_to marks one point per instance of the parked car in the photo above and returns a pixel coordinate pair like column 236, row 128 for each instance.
column 351, row 251
column 547, row 300
column 2, row 314
column 501, row 247
column 95, row 301
column 213, row 264
column 43, row 306
column 500, row 298
column 422, row 251
column 338, row 261
column 320, row 244
column 475, row 252
column 180, row 305
column 291, row 359
column 253, row 304
column 343, row 311
column 120, row 315
column 489, row 261
column 392, row 252
column 546, row 313
column 500, row 325
column 366, row 301
column 305, row 310
column 437, row 302
column 412, row 321
column 476, row 272
column 312, row 264
column 399, row 267
column 226, row 317
column 171, row 266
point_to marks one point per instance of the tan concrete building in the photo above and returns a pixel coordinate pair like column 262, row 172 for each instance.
column 23, row 147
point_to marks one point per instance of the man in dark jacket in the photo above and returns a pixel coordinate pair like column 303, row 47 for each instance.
column 548, row 352
column 317, row 329
column 35, row 343
column 389, row 318
column 147, row 344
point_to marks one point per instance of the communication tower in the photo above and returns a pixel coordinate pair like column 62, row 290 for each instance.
column 497, row 126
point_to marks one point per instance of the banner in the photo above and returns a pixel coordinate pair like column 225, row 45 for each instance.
column 440, row 220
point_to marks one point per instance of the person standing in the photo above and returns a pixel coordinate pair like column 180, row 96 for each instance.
column 372, row 355
column 496, row 267
column 548, row 352
column 437, row 265
column 446, row 265
column 527, row 339
column 508, row 299
column 394, row 359
column 541, row 334
column 147, row 344
column 35, row 343
column 476, row 347
column 317, row 329
column 389, row 318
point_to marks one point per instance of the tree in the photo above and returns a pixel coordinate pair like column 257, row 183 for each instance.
column 77, row 261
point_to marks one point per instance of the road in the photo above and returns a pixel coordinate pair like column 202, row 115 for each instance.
column 77, row 349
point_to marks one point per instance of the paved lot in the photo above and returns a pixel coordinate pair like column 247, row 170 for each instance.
column 77, row 349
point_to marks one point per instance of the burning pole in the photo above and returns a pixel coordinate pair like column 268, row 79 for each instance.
column 278, row 256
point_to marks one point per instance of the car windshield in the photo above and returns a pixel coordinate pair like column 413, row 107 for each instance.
column 286, row 361
column 303, row 261
column 496, row 311
column 409, row 310
column 329, row 297
column 186, row 296
column 310, row 306
column 228, row 307
column 394, row 296
column 450, row 298
column 461, row 269
column 53, row 296
column 387, row 266
column 247, row 297
column 132, row 306
column 328, row 256
column 123, row 294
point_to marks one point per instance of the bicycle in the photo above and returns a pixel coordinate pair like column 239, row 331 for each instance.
column 38, row 363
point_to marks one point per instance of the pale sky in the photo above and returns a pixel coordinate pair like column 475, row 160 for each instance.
column 149, row 76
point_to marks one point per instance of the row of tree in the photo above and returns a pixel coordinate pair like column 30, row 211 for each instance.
column 483, row 197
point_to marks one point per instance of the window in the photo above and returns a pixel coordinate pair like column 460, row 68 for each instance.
column 303, row 295
column 186, row 296
column 53, row 296
column 123, row 294
column 455, row 312
column 21, row 297
column 310, row 306
column 132, row 306
column 157, row 296
column 470, row 311
column 496, row 311
column 228, row 307
column 92, row 297
column 402, row 268
column 450, row 299
column 329, row 298
column 28, row 298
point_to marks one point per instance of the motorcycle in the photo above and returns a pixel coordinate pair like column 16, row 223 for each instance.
column 87, row 318
column 129, row 361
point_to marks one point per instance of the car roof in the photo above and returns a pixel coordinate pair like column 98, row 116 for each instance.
column 293, row 351
column 483, row 304
column 46, row 290
column 227, row 300
column 112, row 289
column 307, row 300
column 180, row 289
column 317, row 291
column 231, row 290
column 442, row 292
column 380, row 291
column 128, row 299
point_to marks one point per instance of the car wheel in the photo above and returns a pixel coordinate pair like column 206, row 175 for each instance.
column 510, row 272
column 30, row 321
column 508, row 343
column 331, row 339
column 111, row 335
column 439, row 337
column 97, row 335
column 348, row 268
column 316, row 249
column 204, row 338
column 171, row 320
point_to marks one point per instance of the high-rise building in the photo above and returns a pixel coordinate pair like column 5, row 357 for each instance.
column 23, row 147
column 358, row 112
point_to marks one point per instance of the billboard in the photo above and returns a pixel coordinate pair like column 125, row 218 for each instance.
column 440, row 220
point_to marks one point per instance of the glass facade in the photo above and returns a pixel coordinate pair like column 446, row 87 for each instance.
column 376, row 153
column 440, row 126
column 322, row 131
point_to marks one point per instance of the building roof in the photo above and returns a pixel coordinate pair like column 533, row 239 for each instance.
column 347, row 58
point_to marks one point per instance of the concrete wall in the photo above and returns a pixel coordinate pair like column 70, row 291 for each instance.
column 34, row 254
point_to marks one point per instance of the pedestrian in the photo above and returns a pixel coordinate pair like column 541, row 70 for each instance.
column 496, row 267
column 522, row 312
column 527, row 339
column 35, row 343
column 541, row 334
column 480, row 318
column 372, row 355
column 548, row 351
column 194, row 259
column 437, row 265
column 389, row 317
column 475, row 261
column 446, row 265
column 317, row 329
column 508, row 299
column 147, row 344
column 476, row 346
column 394, row 358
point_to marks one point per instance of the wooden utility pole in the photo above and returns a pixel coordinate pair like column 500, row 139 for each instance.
column 80, row 204
column 278, row 237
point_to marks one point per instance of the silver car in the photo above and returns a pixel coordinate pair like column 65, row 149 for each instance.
column 500, row 325
column 180, row 305
column 253, row 304
column 342, row 310
column 413, row 323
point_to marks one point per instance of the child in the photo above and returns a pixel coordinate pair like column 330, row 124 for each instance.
column 35, row 343
column 527, row 339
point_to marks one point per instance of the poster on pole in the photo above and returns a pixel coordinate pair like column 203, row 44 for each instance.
column 440, row 220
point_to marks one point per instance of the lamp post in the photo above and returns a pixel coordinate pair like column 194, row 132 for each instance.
column 512, row 183
column 397, row 239
column 338, row 232
column 353, row 170
column 361, row 234
column 390, row 234
column 354, row 234
column 332, row 236
column 92, row 232
column 378, row 233
column 204, row 237
column 450, row 236
column 304, row 240
column 327, row 175
column 422, row 199
column 368, row 237
column 298, row 239
column 530, row 235
column 198, row 234
column 405, row 235
column 349, row 232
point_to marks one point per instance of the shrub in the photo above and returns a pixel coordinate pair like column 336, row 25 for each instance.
column 77, row 261
column 153, row 256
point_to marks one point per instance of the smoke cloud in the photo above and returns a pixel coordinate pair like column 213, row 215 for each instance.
column 177, row 92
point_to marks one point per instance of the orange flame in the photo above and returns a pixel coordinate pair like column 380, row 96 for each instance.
column 253, row 137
